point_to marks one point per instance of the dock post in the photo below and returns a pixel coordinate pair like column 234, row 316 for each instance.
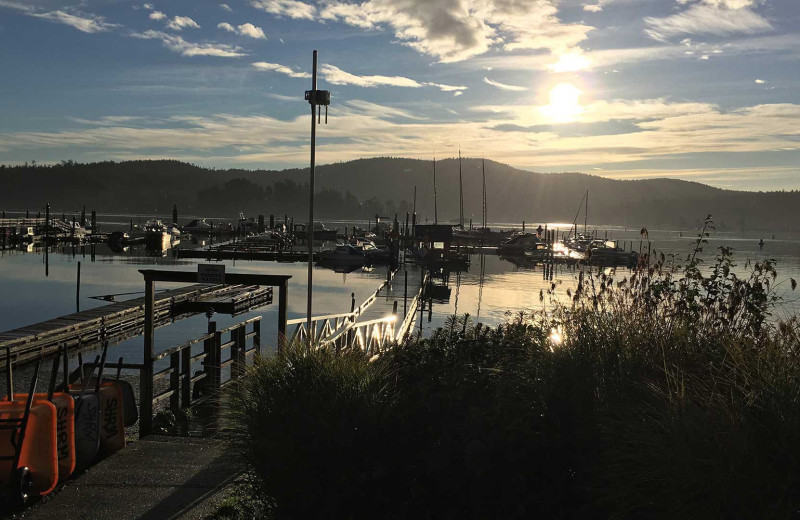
column 146, row 379
column 405, row 294
column 186, row 370
column 175, row 381
column 78, row 290
column 283, row 299
column 257, row 336
column 523, row 226
column 208, row 361
column 216, row 367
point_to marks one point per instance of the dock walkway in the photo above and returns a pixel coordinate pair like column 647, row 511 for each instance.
column 121, row 320
column 154, row 478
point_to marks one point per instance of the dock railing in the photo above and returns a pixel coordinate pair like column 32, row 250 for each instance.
column 182, row 387
column 325, row 327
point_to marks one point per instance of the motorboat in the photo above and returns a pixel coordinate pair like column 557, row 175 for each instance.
column 606, row 252
column 157, row 235
column 521, row 243
column 198, row 227
column 321, row 233
column 342, row 254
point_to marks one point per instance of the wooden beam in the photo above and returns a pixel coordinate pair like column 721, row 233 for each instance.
column 230, row 278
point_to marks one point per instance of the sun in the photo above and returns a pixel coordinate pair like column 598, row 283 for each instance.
column 564, row 103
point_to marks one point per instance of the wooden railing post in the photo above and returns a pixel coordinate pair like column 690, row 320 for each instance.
column 257, row 336
column 175, row 382
column 208, row 350
column 237, row 351
column 186, row 370
column 146, row 373
column 217, row 366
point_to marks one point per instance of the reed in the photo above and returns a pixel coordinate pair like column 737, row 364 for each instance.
column 671, row 394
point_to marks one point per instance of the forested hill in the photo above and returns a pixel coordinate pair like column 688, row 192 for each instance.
column 362, row 188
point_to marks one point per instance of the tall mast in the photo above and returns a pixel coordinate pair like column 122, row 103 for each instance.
column 460, row 193
column 415, row 199
column 435, row 208
column 586, row 214
column 483, row 168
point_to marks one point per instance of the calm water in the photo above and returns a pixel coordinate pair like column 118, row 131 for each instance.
column 504, row 287
column 28, row 295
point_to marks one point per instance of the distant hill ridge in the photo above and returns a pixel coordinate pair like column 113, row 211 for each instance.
column 386, row 184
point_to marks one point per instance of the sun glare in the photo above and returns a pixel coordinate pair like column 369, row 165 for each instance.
column 564, row 103
column 570, row 62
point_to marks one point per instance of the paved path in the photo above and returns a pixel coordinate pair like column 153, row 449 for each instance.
column 156, row 478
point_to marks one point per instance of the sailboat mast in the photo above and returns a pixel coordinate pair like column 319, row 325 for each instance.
column 483, row 168
column 435, row 208
column 586, row 214
column 460, row 193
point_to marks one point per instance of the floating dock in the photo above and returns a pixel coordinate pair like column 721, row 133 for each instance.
column 121, row 320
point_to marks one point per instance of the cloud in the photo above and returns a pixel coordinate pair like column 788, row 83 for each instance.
column 504, row 86
column 289, row 8
column 226, row 7
column 282, row 69
column 337, row 76
column 177, row 44
column 157, row 15
column 179, row 22
column 658, row 129
column 707, row 19
column 448, row 88
column 450, row 30
column 88, row 23
column 456, row 30
column 761, row 81
column 246, row 29
column 149, row 7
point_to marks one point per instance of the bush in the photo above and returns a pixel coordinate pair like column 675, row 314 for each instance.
column 667, row 395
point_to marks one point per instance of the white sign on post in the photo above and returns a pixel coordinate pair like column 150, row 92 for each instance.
column 211, row 273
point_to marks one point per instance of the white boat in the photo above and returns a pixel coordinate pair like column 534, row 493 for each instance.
column 157, row 235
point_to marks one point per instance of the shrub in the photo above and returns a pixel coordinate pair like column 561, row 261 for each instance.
column 670, row 394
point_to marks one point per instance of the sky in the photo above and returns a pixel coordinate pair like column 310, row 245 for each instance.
column 703, row 90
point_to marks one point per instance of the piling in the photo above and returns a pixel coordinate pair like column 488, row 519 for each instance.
column 78, row 291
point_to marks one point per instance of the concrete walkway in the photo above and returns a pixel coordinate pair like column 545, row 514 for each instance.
column 154, row 478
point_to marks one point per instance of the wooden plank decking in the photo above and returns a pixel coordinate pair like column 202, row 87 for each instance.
column 121, row 320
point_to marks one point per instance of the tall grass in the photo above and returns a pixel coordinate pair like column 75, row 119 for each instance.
column 670, row 394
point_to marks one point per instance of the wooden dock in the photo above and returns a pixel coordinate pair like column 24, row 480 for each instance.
column 121, row 320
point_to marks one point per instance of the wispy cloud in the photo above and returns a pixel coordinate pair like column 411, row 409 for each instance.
column 281, row 69
column 504, row 86
column 177, row 44
column 288, row 8
column 84, row 22
column 363, row 129
column 226, row 7
column 180, row 22
column 337, row 76
column 706, row 19
column 457, row 89
column 157, row 15
column 245, row 29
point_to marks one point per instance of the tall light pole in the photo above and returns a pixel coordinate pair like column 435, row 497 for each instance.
column 316, row 98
